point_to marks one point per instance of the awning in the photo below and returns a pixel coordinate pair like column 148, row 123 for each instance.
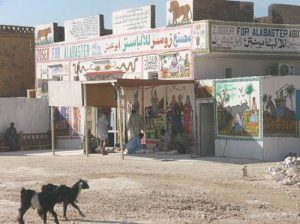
column 99, row 93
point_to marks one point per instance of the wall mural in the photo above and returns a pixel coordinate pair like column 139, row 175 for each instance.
column 175, row 115
column 179, row 12
column 279, row 110
column 62, row 121
column 176, row 65
column 134, row 100
column 180, row 109
column 203, row 89
column 76, row 127
column 200, row 36
column 44, row 34
column 238, row 108
column 154, row 111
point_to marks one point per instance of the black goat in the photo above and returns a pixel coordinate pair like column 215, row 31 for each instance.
column 70, row 194
column 44, row 202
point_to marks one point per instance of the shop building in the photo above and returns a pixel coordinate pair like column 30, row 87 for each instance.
column 217, row 55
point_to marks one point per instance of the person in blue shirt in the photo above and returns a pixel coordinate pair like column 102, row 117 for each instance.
column 134, row 144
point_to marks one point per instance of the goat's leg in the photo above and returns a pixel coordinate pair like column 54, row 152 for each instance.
column 54, row 215
column 65, row 210
column 76, row 206
column 22, row 211
column 45, row 217
column 40, row 213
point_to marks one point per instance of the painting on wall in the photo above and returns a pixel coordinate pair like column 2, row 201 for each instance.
column 238, row 108
column 134, row 99
column 62, row 121
column 200, row 36
column 154, row 111
column 175, row 115
column 176, row 65
column 44, row 34
column 180, row 109
column 203, row 89
column 279, row 109
column 76, row 127
column 179, row 12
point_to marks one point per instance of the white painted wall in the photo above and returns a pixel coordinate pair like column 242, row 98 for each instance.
column 68, row 143
column 275, row 149
column 239, row 149
column 213, row 67
column 271, row 149
column 29, row 115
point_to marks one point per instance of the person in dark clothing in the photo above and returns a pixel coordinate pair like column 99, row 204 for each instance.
column 92, row 142
column 12, row 136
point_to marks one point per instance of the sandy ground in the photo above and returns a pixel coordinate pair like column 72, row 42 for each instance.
column 150, row 189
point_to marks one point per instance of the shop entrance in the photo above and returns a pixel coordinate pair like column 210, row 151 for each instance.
column 206, row 130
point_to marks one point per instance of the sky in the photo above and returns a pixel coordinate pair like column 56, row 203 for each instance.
column 36, row 12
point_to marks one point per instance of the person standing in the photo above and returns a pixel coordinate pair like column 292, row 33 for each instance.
column 102, row 126
column 179, row 114
column 187, row 109
column 12, row 136
column 135, row 124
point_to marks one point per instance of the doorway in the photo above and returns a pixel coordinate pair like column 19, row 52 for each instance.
column 206, row 130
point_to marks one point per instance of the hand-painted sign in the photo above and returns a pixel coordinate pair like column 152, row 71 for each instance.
column 179, row 12
column 82, row 28
column 175, row 65
column 134, row 19
column 254, row 38
column 44, row 34
column 148, row 42
column 151, row 63
column 200, row 36
column 84, row 69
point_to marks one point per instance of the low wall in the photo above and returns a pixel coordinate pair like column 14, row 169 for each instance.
column 275, row 149
column 239, row 149
column 29, row 115
column 68, row 143
column 270, row 149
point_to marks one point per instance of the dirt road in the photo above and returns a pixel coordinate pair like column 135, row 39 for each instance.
column 161, row 189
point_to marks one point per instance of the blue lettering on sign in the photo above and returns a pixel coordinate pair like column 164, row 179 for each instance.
column 179, row 39
column 56, row 53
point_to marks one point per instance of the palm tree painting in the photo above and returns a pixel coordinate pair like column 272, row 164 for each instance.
column 281, row 120
column 235, row 116
column 224, row 93
column 290, row 92
column 249, row 90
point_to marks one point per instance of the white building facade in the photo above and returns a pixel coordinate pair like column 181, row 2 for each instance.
column 222, row 57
